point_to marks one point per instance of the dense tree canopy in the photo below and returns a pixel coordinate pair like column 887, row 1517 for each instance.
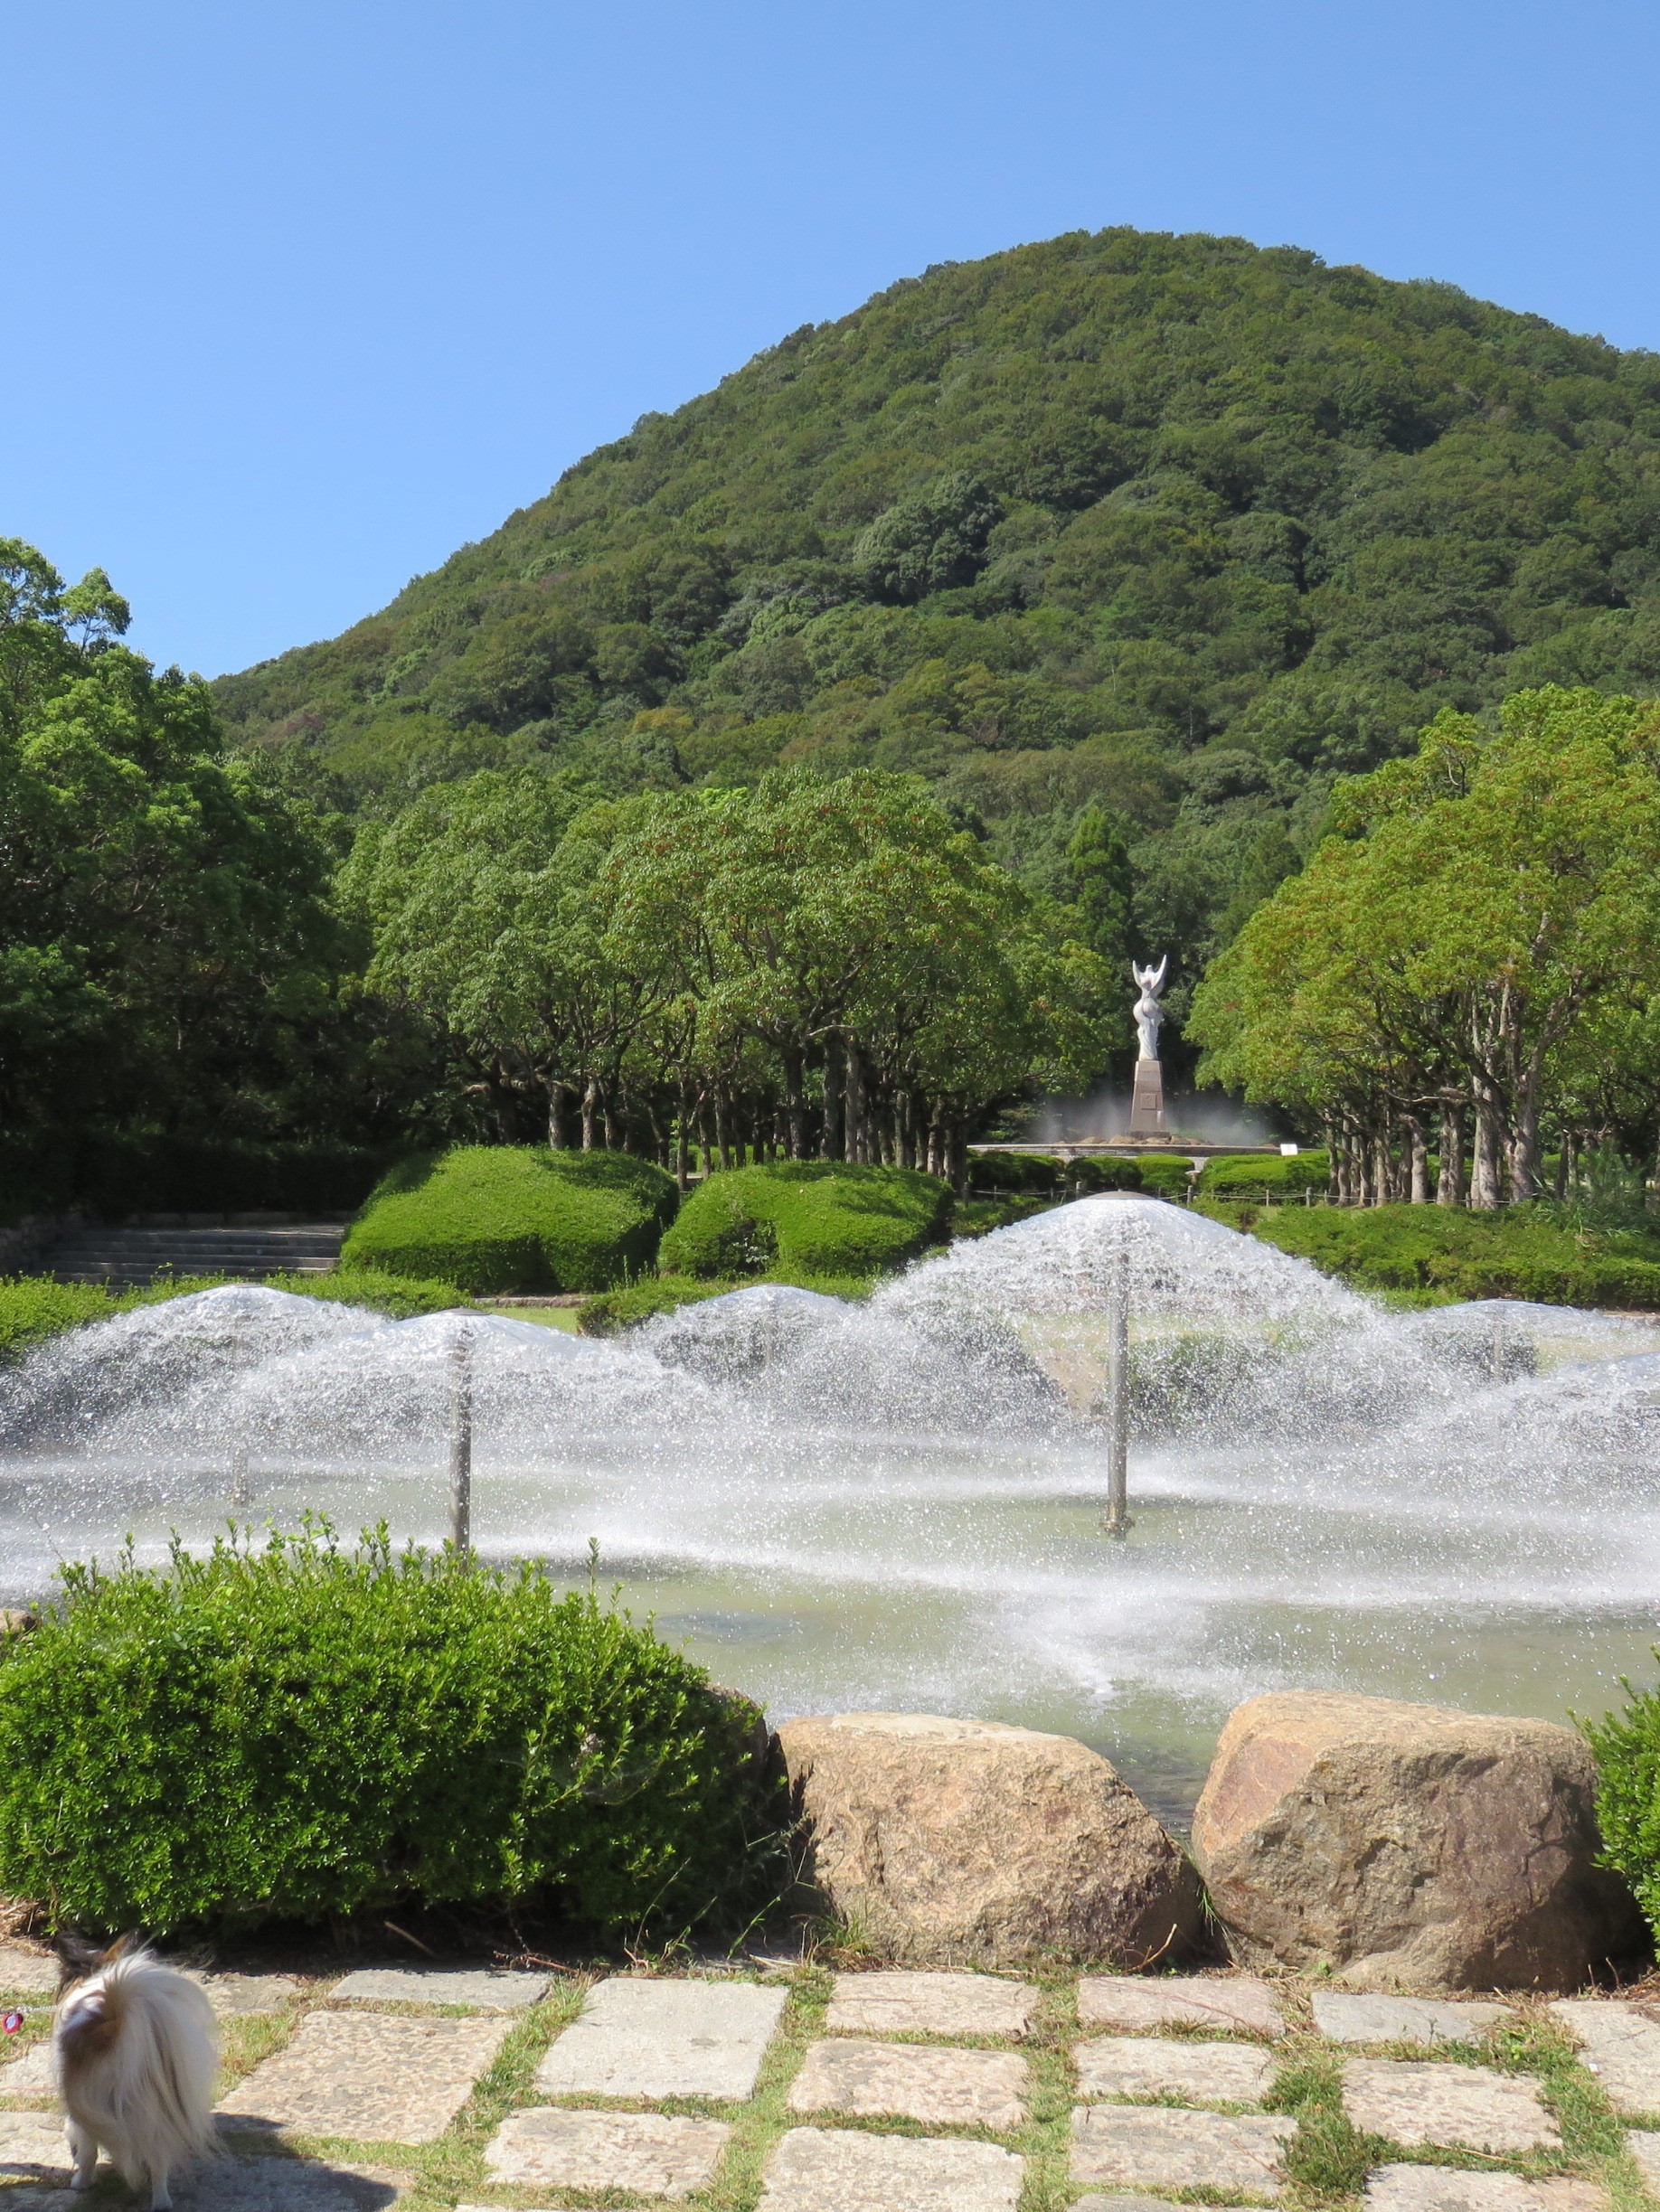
column 167, row 954
column 1173, row 526
column 822, row 966
column 1473, row 950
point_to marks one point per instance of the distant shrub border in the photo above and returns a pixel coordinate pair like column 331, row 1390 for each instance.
column 33, row 1307
column 295, row 1730
column 1443, row 1251
column 513, row 1218
column 806, row 1216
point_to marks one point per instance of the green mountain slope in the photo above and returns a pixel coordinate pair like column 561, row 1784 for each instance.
column 1171, row 525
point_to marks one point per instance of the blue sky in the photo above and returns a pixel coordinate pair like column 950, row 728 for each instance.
column 298, row 298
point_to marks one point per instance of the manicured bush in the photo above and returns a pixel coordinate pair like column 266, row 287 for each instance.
column 1626, row 1746
column 1039, row 1173
column 812, row 1217
column 398, row 1295
column 297, row 1731
column 1248, row 1174
column 1165, row 1174
column 1013, row 1172
column 515, row 1217
column 612, row 1311
column 34, row 1307
column 1517, row 1253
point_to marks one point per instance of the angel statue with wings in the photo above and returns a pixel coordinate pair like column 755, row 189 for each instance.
column 1149, row 1014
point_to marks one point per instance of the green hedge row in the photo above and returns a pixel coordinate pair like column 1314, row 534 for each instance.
column 806, row 1216
column 294, row 1731
column 33, row 1307
column 1518, row 1253
column 506, row 1218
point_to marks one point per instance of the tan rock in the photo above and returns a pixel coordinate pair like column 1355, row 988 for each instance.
column 952, row 1842
column 1409, row 1845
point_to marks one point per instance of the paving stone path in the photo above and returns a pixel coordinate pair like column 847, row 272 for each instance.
column 364, row 2072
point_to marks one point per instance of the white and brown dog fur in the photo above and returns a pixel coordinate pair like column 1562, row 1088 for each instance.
column 136, row 2049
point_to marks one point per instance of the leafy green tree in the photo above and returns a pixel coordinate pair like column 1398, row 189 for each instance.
column 1482, row 914
column 168, row 956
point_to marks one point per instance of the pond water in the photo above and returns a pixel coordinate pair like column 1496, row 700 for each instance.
column 898, row 1504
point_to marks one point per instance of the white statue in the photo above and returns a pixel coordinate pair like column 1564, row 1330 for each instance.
column 1149, row 1014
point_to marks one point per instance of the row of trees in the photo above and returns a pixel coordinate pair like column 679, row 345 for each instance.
column 807, row 967
column 1470, row 962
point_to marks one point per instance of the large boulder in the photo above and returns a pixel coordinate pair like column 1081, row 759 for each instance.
column 1409, row 1845
column 965, row 1842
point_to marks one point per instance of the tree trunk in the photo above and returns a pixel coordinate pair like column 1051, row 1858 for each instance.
column 795, row 1117
column 590, row 1115
column 1450, row 1187
column 1334, row 1166
column 833, row 1143
column 1487, row 1153
column 1417, row 1161
column 557, row 1132
column 723, row 1140
column 853, row 1140
column 682, row 1141
column 608, row 1105
column 1524, row 1144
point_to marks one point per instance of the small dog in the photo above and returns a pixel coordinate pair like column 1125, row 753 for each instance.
column 136, row 2049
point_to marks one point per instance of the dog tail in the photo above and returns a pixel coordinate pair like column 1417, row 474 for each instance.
column 137, row 2052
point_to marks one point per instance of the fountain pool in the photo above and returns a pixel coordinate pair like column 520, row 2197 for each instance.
column 899, row 1503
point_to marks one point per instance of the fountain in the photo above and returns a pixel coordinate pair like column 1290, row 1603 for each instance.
column 900, row 1503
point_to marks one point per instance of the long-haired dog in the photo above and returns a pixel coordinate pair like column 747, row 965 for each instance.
column 136, row 2049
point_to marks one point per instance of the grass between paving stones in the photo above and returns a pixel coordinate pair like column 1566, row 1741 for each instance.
column 1329, row 2158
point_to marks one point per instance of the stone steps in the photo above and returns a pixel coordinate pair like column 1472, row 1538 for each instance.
column 132, row 1257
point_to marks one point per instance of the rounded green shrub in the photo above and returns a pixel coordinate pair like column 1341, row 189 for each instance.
column 609, row 1311
column 509, row 1218
column 1247, row 1175
column 295, row 1731
column 1627, row 1746
column 816, row 1216
column 1165, row 1174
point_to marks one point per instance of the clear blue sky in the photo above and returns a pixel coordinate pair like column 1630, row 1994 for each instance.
column 297, row 299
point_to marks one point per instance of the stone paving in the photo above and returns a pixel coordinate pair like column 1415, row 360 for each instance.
column 946, row 2053
column 941, row 2088
column 656, row 2156
column 815, row 2170
column 665, row 2040
column 1620, row 2044
column 1469, row 2107
column 930, row 2004
column 1194, row 2000
column 1347, row 2019
column 1446, row 2188
column 374, row 2077
column 1144, row 2066
column 1157, row 2148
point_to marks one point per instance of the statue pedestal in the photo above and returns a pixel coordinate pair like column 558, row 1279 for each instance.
column 1147, row 1105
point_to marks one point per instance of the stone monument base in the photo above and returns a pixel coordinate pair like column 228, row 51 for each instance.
column 1147, row 1105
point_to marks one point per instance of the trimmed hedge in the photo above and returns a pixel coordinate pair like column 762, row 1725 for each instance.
column 1626, row 1746
column 509, row 1218
column 612, row 1311
column 1518, row 1253
column 292, row 1731
column 1165, row 1174
column 1248, row 1175
column 811, row 1216
column 33, row 1307
column 1029, row 1173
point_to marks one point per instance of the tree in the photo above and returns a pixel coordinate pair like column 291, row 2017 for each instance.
column 168, row 956
column 1484, row 909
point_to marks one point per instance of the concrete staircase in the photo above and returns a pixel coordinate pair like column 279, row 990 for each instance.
column 153, row 1245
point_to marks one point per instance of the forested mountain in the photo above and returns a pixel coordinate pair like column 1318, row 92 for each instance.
column 1174, row 525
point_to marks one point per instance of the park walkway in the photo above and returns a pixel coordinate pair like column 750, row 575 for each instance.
column 789, row 2089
